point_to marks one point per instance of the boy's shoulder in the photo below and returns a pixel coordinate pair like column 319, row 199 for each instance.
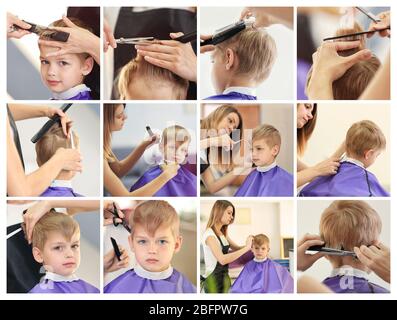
column 232, row 96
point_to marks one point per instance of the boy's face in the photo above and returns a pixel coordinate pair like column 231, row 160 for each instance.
column 262, row 154
column 64, row 72
column 260, row 251
column 154, row 252
column 370, row 157
column 59, row 255
column 228, row 123
column 175, row 152
column 219, row 73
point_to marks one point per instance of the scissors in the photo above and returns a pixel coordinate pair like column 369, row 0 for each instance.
column 332, row 251
column 116, row 216
column 188, row 37
column 53, row 34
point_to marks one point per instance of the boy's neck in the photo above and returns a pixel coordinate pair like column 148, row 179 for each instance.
column 240, row 82
column 360, row 160
column 349, row 261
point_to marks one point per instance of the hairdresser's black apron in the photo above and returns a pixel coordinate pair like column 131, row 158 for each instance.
column 219, row 280
column 156, row 22
column 91, row 17
column 15, row 135
column 23, row 272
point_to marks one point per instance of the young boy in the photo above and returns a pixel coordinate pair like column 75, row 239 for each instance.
column 56, row 244
column 154, row 240
column 262, row 275
column 140, row 80
column 241, row 63
column 46, row 147
column 344, row 225
column 354, row 81
column 174, row 146
column 364, row 142
column 267, row 179
column 64, row 75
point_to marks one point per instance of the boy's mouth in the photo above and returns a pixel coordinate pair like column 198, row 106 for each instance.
column 53, row 83
column 69, row 264
column 152, row 261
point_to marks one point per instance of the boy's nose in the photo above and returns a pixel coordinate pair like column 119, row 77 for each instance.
column 51, row 69
column 153, row 248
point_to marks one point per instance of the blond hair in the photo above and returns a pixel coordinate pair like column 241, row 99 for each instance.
column 268, row 133
column 53, row 222
column 153, row 214
column 260, row 239
column 256, row 52
column 346, row 224
column 175, row 133
column 49, row 143
column 363, row 136
column 139, row 68
column 217, row 211
column 354, row 81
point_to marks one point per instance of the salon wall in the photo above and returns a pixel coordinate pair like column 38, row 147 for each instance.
column 86, row 124
column 279, row 85
column 309, row 215
column 333, row 121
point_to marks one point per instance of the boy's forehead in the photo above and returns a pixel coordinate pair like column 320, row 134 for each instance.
column 162, row 231
column 58, row 236
column 44, row 50
column 258, row 141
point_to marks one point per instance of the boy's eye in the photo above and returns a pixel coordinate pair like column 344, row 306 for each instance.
column 75, row 246
column 63, row 63
column 44, row 62
column 58, row 248
column 162, row 242
column 141, row 241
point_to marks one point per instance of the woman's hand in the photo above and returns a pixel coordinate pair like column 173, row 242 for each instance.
column 111, row 263
column 384, row 23
column 79, row 41
column 265, row 17
column 108, row 37
column 170, row 170
column 33, row 215
column 150, row 141
column 248, row 242
column 70, row 158
column 108, row 215
column 172, row 55
column 13, row 32
column 66, row 123
column 305, row 261
column 223, row 141
column 327, row 167
column 208, row 47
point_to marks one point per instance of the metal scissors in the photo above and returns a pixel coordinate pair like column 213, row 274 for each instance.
column 141, row 40
column 332, row 251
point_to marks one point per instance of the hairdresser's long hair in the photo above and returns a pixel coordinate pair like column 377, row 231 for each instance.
column 217, row 212
column 304, row 133
column 108, row 119
column 209, row 127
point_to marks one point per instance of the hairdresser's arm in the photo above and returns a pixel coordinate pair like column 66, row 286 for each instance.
column 219, row 141
column 40, row 208
column 340, row 151
column 379, row 87
column 265, row 17
column 304, row 260
column 112, row 264
column 32, row 185
column 214, row 185
column 324, row 168
column 79, row 41
column 234, row 246
column 227, row 258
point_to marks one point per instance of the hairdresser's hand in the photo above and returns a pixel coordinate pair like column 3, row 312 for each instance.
column 384, row 23
column 329, row 66
column 66, row 122
column 172, row 55
column 170, row 170
column 327, row 167
column 248, row 242
column 108, row 215
column 377, row 258
column 33, row 215
column 224, row 141
column 265, row 17
column 111, row 263
column 71, row 159
column 149, row 141
column 208, row 47
column 79, row 41
column 108, row 37
column 17, row 34
column 305, row 261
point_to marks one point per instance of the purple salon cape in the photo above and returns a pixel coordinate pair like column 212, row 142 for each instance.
column 130, row 282
column 273, row 183
column 263, row 277
column 59, row 192
column 232, row 96
column 77, row 286
column 84, row 95
column 350, row 181
column 354, row 285
column 184, row 184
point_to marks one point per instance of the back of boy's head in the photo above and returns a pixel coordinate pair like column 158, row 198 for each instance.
column 51, row 142
column 268, row 133
column 256, row 52
column 153, row 76
column 346, row 224
column 53, row 222
column 153, row 214
column 352, row 84
column 260, row 239
column 175, row 133
column 363, row 136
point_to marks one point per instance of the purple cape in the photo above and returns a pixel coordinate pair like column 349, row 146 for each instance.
column 130, row 282
column 78, row 286
column 350, row 181
column 274, row 183
column 232, row 96
column 352, row 285
column 184, row 184
column 263, row 277
column 59, row 192
column 84, row 95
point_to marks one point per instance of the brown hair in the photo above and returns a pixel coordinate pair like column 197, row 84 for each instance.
column 109, row 111
column 152, row 75
column 268, row 133
column 153, row 214
column 53, row 222
column 304, row 133
column 260, row 239
column 217, row 212
column 49, row 143
column 256, row 52
column 363, row 136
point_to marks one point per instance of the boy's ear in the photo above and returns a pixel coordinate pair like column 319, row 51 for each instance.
column 230, row 59
column 130, row 243
column 178, row 244
column 275, row 150
column 37, row 255
column 88, row 64
column 368, row 153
